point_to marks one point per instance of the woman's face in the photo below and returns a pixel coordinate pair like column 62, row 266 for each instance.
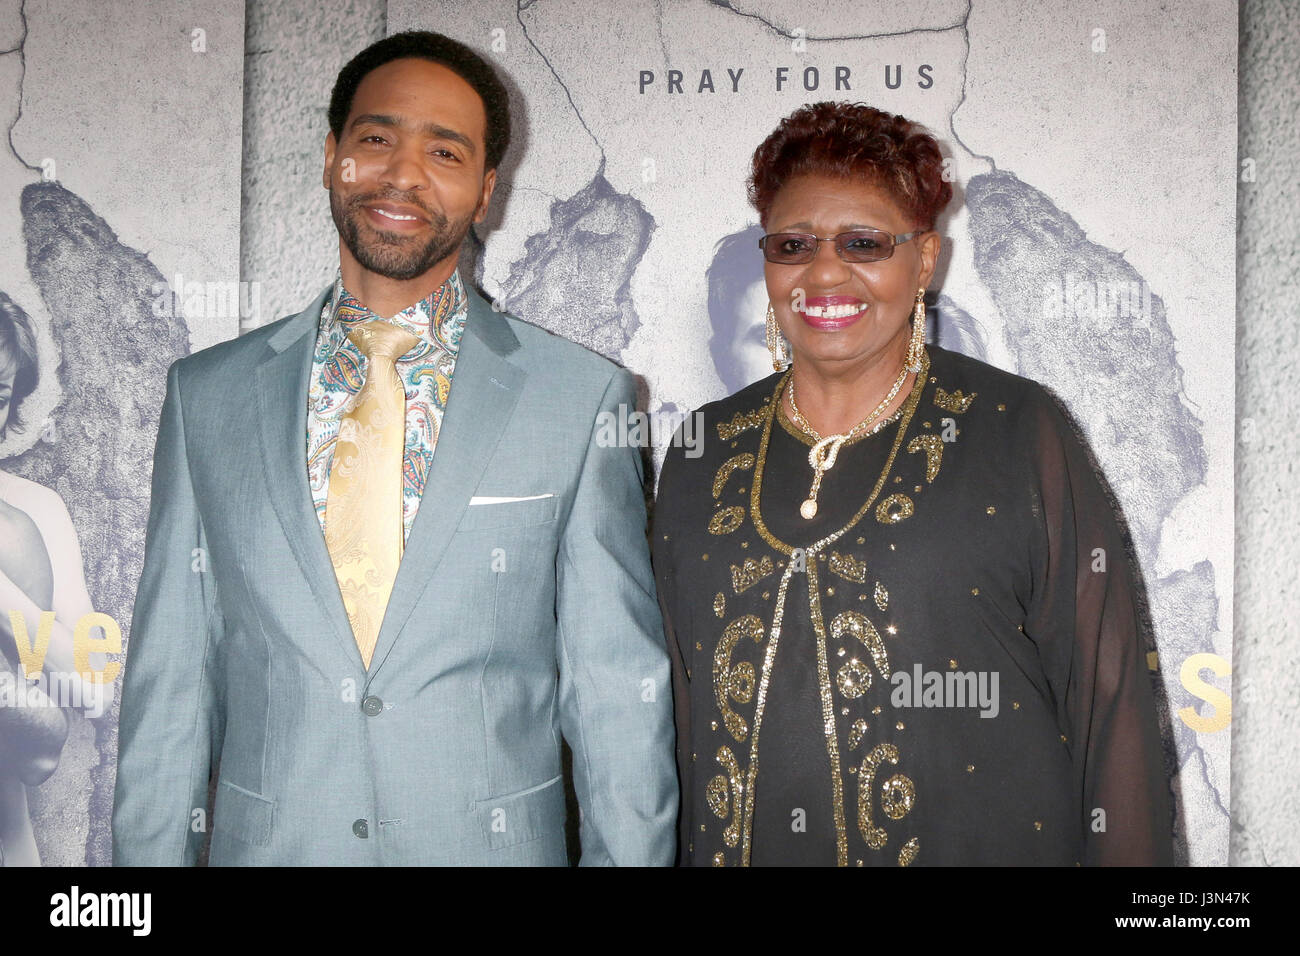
column 882, row 293
column 8, row 370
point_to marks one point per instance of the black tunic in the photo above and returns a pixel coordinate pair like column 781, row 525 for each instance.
column 943, row 666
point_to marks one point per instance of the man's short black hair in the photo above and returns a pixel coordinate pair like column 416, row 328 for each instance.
column 436, row 48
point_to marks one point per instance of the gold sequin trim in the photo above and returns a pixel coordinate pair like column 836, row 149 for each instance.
column 727, row 520
column 881, row 596
column 719, row 859
column 747, row 815
column 719, row 604
column 932, row 445
column 894, row 509
column 828, row 714
column 857, row 732
column 741, row 422
column 848, row 567
column 750, row 573
column 725, row 470
column 954, row 402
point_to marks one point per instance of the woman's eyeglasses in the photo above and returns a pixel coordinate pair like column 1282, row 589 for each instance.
column 860, row 245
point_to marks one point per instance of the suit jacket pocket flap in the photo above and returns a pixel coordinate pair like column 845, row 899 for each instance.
column 242, row 814
column 522, row 816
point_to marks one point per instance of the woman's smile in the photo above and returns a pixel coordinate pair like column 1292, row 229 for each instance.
column 830, row 313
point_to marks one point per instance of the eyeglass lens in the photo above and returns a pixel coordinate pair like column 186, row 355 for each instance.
column 861, row 245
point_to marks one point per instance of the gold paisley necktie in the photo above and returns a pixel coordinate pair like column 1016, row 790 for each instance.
column 363, row 507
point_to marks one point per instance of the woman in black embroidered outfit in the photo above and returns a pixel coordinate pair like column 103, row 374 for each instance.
column 902, row 615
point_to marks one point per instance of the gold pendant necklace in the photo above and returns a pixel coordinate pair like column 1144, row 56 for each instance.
column 824, row 451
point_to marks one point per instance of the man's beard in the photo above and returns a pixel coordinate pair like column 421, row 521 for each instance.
column 394, row 255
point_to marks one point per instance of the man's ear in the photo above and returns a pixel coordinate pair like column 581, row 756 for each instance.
column 330, row 145
column 489, row 184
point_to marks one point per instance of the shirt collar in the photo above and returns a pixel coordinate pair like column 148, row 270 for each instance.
column 438, row 319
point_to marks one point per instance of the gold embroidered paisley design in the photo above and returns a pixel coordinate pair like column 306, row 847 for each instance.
column 727, row 520
column 897, row 795
column 894, row 509
column 909, row 851
column 851, row 622
column 718, row 796
column 853, row 679
column 875, row 836
column 731, row 832
column 725, row 470
column 932, row 445
column 735, row 682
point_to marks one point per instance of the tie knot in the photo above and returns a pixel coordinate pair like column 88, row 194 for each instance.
column 378, row 339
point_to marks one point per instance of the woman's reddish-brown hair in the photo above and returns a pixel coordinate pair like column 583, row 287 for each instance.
column 856, row 142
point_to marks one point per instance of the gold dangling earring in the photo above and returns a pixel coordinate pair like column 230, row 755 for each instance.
column 776, row 343
column 917, row 342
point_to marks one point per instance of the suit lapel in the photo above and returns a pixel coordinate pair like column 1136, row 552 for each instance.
column 484, row 390
column 281, row 385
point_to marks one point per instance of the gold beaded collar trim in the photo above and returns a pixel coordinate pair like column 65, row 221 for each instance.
column 804, row 437
column 756, row 488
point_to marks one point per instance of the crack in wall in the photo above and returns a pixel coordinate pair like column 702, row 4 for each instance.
column 20, row 49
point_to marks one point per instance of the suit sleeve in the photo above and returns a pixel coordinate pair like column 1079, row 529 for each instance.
column 666, row 501
column 615, row 693
column 169, row 717
column 1084, row 617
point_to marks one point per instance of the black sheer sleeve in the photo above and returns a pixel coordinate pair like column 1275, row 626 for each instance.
column 667, row 503
column 1083, row 617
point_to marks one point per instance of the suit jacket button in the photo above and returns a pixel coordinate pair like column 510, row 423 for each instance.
column 372, row 706
column 361, row 829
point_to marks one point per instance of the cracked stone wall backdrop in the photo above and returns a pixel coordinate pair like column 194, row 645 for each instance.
column 121, row 172
column 577, row 177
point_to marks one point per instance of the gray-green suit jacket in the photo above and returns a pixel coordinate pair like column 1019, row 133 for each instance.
column 510, row 624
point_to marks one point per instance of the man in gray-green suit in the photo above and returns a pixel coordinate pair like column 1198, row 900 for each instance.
column 380, row 671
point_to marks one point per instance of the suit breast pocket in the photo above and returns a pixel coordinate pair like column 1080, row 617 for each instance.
column 518, row 513
column 523, row 815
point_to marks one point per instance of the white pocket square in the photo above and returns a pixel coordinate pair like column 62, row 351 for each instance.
column 489, row 500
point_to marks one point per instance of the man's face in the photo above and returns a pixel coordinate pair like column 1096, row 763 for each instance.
column 406, row 180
